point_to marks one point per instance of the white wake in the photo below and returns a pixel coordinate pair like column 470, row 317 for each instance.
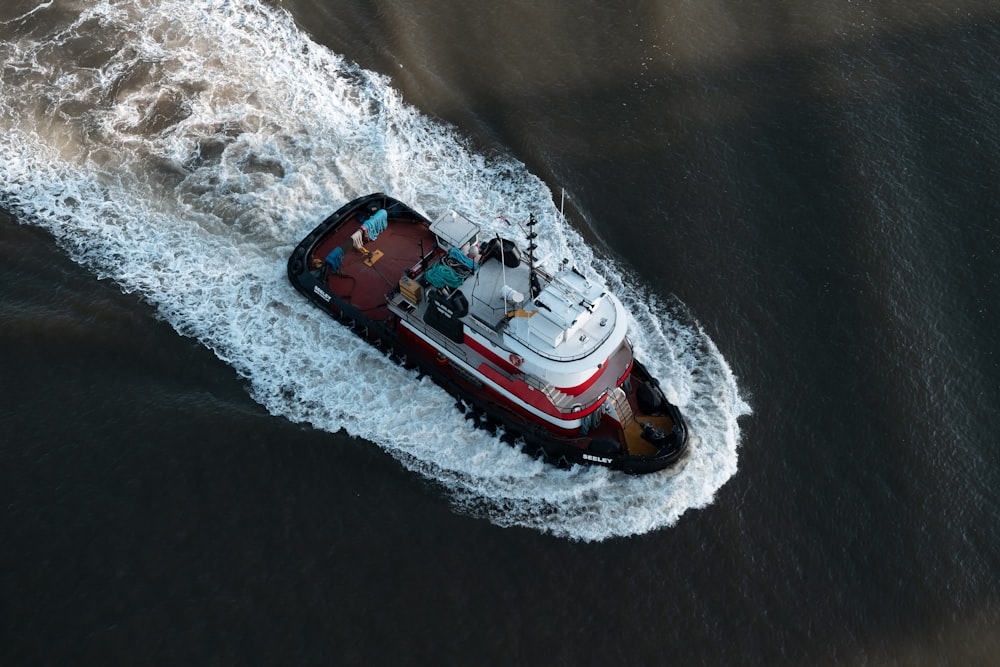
column 182, row 148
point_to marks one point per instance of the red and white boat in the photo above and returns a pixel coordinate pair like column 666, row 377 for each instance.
column 541, row 354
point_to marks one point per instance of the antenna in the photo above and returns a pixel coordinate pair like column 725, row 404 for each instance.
column 503, row 273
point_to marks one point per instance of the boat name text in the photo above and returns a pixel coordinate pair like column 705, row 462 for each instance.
column 323, row 295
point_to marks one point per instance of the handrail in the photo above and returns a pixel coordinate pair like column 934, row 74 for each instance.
column 550, row 357
column 461, row 352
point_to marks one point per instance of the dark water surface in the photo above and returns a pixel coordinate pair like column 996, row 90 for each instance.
column 812, row 186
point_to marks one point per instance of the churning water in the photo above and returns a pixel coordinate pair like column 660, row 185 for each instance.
column 183, row 148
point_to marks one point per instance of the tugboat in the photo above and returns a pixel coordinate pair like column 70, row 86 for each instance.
column 541, row 354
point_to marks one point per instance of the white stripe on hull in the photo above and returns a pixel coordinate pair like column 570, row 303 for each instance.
column 555, row 421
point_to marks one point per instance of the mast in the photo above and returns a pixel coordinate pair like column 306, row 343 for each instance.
column 533, row 287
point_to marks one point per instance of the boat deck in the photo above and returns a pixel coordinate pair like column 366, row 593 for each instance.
column 482, row 289
column 365, row 279
column 631, row 436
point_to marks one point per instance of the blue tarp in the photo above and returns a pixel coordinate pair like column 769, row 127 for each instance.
column 377, row 223
column 334, row 259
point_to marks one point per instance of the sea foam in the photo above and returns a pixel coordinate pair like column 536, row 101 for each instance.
column 183, row 148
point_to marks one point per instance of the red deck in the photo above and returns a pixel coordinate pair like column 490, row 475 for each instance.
column 363, row 286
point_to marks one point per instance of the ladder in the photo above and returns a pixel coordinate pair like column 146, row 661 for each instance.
column 621, row 405
column 559, row 399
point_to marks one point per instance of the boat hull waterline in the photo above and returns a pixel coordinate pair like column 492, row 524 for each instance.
column 540, row 355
